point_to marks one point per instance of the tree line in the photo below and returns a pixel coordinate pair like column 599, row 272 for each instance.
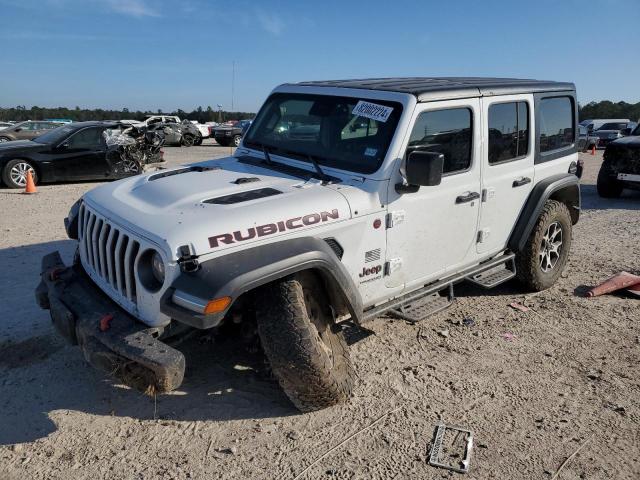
column 77, row 114
column 607, row 109
column 603, row 109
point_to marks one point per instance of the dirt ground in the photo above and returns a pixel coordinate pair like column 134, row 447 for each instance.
column 565, row 377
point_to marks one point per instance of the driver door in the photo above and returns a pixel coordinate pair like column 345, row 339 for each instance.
column 83, row 155
column 432, row 232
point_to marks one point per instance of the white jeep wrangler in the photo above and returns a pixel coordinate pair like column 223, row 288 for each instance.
column 346, row 200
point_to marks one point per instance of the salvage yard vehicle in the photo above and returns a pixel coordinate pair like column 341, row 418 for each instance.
column 77, row 151
column 620, row 168
column 184, row 133
column 26, row 130
column 450, row 180
column 231, row 135
column 611, row 131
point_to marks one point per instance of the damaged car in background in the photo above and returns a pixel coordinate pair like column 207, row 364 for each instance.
column 80, row 151
column 620, row 168
column 185, row 133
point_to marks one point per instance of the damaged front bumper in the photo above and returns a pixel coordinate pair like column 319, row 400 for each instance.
column 111, row 340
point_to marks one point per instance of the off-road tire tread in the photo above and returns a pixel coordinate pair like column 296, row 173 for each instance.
column 528, row 270
column 293, row 347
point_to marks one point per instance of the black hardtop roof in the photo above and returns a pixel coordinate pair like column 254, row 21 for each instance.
column 430, row 88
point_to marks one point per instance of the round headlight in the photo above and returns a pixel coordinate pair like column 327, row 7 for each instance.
column 157, row 267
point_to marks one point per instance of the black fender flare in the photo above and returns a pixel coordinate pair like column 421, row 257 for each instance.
column 237, row 273
column 564, row 187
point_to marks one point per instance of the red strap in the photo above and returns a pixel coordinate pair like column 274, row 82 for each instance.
column 105, row 322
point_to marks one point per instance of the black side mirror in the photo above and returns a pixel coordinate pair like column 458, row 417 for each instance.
column 19, row 129
column 422, row 169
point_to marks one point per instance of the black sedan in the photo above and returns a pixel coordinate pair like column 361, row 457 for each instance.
column 77, row 151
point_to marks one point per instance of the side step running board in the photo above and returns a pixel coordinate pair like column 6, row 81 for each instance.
column 437, row 296
column 495, row 276
column 423, row 307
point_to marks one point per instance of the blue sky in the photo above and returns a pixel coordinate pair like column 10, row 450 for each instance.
column 169, row 54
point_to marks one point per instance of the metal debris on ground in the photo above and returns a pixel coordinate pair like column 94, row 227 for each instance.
column 468, row 322
column 620, row 281
column 442, row 454
column 519, row 306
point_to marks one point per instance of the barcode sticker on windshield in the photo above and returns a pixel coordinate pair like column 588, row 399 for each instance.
column 372, row 110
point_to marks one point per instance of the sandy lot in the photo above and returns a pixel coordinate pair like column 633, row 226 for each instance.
column 567, row 375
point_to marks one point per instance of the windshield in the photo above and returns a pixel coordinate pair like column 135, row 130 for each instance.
column 327, row 129
column 56, row 135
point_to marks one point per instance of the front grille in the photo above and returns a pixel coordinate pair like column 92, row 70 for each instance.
column 109, row 252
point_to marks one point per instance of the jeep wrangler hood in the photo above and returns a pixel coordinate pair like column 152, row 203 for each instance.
column 217, row 204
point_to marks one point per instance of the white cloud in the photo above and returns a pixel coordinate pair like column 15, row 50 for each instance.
column 134, row 8
column 270, row 22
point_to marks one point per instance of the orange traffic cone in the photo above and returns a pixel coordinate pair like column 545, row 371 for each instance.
column 31, row 186
column 617, row 282
column 593, row 150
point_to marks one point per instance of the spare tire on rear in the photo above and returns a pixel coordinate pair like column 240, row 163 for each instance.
column 306, row 350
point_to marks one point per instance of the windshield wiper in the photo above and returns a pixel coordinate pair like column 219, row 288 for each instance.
column 323, row 176
column 267, row 159
column 267, row 156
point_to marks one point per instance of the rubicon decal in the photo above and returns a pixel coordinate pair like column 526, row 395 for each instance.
column 271, row 228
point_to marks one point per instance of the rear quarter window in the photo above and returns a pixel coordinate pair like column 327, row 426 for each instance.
column 556, row 123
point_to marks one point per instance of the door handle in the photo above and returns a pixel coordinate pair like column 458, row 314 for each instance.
column 521, row 181
column 469, row 197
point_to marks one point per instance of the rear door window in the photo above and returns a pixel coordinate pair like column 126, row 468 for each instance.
column 508, row 131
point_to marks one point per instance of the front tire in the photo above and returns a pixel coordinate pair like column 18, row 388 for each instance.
column 4, row 139
column 14, row 174
column 308, row 356
column 541, row 262
column 608, row 186
column 188, row 140
column 236, row 140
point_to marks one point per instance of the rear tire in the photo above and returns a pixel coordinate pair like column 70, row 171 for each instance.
column 541, row 262
column 607, row 185
column 308, row 356
column 14, row 173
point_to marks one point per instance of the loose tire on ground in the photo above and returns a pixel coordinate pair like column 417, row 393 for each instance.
column 532, row 262
column 308, row 356
column 12, row 175
column 607, row 185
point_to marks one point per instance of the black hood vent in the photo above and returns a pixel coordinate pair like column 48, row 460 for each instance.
column 243, row 196
column 171, row 173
